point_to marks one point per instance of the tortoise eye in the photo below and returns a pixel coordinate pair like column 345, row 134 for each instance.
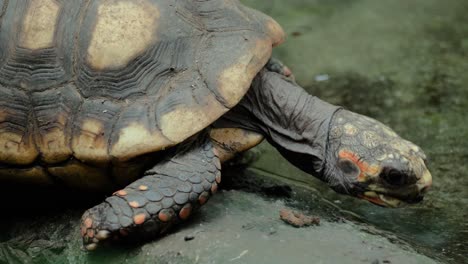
column 394, row 177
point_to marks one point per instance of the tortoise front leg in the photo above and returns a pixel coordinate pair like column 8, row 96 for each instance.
column 166, row 195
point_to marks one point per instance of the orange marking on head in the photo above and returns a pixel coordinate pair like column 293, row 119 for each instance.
column 164, row 217
column 185, row 212
column 134, row 204
column 90, row 233
column 143, row 187
column 364, row 167
column 139, row 219
column 214, row 188
column 88, row 222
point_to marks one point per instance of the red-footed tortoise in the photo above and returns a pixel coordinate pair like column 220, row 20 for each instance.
column 99, row 94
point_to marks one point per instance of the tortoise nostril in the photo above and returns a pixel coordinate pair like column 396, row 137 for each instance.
column 416, row 199
column 424, row 189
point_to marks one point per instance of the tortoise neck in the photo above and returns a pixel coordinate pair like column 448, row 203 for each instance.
column 293, row 121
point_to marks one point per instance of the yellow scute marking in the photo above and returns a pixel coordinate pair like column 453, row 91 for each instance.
column 182, row 123
column 185, row 121
column 234, row 81
column 124, row 29
column 17, row 149
column 54, row 145
column 230, row 141
column 275, row 32
column 236, row 138
column 90, row 144
column 136, row 140
column 39, row 24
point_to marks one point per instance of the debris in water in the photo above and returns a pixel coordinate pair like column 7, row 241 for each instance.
column 297, row 219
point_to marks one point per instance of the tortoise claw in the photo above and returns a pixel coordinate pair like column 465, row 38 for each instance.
column 103, row 235
column 91, row 243
column 91, row 247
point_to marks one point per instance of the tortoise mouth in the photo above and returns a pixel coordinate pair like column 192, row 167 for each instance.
column 381, row 199
column 388, row 200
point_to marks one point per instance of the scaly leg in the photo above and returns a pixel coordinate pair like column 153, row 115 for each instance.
column 166, row 195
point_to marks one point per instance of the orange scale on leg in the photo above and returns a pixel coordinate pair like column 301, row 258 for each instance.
column 185, row 212
column 121, row 193
column 88, row 222
column 218, row 178
column 203, row 198
column 134, row 204
column 164, row 216
column 214, row 188
column 139, row 219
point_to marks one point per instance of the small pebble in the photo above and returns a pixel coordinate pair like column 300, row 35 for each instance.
column 189, row 237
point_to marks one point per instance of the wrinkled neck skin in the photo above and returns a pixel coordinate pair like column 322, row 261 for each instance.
column 293, row 121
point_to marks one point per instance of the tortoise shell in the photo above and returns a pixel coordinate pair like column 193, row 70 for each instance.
column 86, row 86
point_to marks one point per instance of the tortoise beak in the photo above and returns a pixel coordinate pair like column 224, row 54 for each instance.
column 425, row 182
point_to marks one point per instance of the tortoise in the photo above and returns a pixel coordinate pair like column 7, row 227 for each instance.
column 146, row 99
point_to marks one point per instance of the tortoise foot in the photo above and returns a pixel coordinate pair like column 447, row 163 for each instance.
column 94, row 229
column 278, row 66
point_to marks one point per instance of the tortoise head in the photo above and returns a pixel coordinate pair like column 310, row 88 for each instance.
column 369, row 160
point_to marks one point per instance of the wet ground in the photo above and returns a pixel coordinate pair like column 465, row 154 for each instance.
column 236, row 227
column 402, row 62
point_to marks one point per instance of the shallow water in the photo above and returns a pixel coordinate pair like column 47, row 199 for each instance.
column 404, row 63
